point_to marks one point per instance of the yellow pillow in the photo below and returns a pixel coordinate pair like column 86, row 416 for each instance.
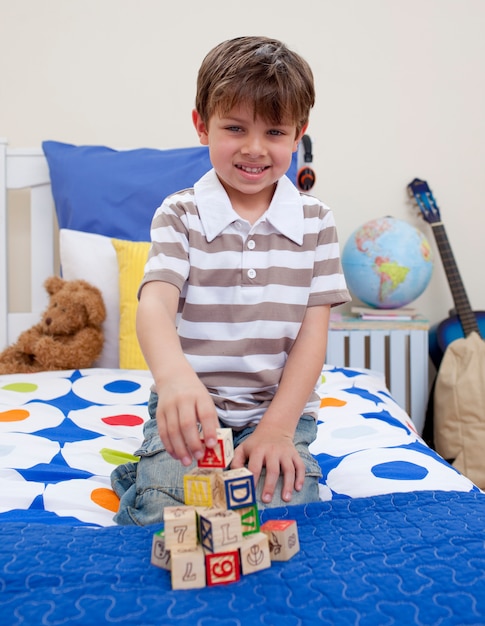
column 132, row 256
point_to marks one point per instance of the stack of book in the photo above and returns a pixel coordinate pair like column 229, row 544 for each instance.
column 384, row 315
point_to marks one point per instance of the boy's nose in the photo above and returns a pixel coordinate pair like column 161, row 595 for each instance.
column 254, row 146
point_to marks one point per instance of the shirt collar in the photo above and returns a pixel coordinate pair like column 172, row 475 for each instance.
column 285, row 213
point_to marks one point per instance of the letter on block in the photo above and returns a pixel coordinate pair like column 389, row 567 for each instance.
column 249, row 519
column 239, row 488
column 188, row 568
column 180, row 526
column 283, row 539
column 255, row 553
column 160, row 553
column 220, row 456
column 222, row 568
column 219, row 529
column 203, row 487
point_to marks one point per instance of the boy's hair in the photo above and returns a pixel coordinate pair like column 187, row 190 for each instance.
column 260, row 72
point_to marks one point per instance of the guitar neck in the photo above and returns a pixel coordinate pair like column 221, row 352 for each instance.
column 460, row 298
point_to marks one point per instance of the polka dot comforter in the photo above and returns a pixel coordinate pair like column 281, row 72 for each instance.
column 396, row 539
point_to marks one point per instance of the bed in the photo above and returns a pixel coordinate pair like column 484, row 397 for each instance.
column 397, row 537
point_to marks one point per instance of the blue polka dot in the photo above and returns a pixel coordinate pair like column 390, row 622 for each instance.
column 400, row 470
column 122, row 386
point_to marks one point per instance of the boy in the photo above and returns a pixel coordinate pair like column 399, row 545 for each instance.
column 234, row 305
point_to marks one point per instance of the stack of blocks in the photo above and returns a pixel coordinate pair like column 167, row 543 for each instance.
column 216, row 536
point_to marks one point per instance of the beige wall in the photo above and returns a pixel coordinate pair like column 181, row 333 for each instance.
column 400, row 86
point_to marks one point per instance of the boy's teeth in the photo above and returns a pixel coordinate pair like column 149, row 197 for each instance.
column 252, row 170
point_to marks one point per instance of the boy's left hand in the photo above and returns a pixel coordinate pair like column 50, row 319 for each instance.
column 275, row 451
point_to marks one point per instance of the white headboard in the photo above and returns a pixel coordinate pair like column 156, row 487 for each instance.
column 19, row 169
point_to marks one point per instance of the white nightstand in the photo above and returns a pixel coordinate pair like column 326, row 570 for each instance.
column 398, row 349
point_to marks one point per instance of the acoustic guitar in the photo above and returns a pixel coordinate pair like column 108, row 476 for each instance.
column 463, row 320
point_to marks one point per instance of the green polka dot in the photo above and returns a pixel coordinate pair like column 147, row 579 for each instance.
column 21, row 387
column 117, row 457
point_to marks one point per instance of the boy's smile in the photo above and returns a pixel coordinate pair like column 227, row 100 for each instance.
column 251, row 170
column 249, row 155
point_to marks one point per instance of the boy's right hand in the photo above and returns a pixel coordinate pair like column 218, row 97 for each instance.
column 183, row 404
column 183, row 401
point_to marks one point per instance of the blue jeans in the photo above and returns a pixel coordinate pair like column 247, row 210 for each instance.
column 156, row 481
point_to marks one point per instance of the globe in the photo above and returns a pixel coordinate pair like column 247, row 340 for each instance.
column 387, row 263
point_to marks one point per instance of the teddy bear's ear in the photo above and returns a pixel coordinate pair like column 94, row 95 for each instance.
column 53, row 284
column 93, row 302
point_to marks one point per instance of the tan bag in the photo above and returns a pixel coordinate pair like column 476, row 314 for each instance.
column 459, row 407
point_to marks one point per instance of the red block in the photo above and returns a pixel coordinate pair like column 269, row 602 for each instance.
column 220, row 456
column 222, row 568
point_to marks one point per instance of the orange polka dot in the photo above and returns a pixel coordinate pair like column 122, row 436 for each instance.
column 105, row 498
column 331, row 402
column 14, row 415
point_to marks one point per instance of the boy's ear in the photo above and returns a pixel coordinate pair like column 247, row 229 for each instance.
column 299, row 136
column 200, row 127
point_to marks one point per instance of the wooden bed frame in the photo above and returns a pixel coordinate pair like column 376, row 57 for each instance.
column 399, row 351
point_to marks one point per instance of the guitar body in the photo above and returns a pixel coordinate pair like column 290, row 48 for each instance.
column 443, row 334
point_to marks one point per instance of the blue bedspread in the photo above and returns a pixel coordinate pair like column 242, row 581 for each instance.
column 411, row 558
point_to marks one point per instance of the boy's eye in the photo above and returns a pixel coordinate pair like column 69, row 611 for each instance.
column 234, row 129
column 275, row 133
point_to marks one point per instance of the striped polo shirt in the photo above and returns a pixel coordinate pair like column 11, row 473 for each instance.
column 244, row 288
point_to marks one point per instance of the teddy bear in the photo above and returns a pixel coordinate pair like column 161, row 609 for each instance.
column 68, row 336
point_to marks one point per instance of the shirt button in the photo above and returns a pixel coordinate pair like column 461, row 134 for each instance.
column 251, row 244
column 251, row 274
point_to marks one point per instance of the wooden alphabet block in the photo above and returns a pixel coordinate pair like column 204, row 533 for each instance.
column 283, row 539
column 160, row 554
column 203, row 488
column 180, row 526
column 249, row 519
column 239, row 488
column 188, row 568
column 254, row 553
column 216, row 537
column 222, row 567
column 223, row 453
column 219, row 529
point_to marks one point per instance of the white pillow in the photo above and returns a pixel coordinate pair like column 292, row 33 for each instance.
column 92, row 257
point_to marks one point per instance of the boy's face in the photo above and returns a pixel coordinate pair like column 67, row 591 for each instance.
column 249, row 154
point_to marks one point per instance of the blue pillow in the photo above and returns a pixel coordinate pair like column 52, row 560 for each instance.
column 115, row 192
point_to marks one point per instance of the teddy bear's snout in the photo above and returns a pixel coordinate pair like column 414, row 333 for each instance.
column 48, row 321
